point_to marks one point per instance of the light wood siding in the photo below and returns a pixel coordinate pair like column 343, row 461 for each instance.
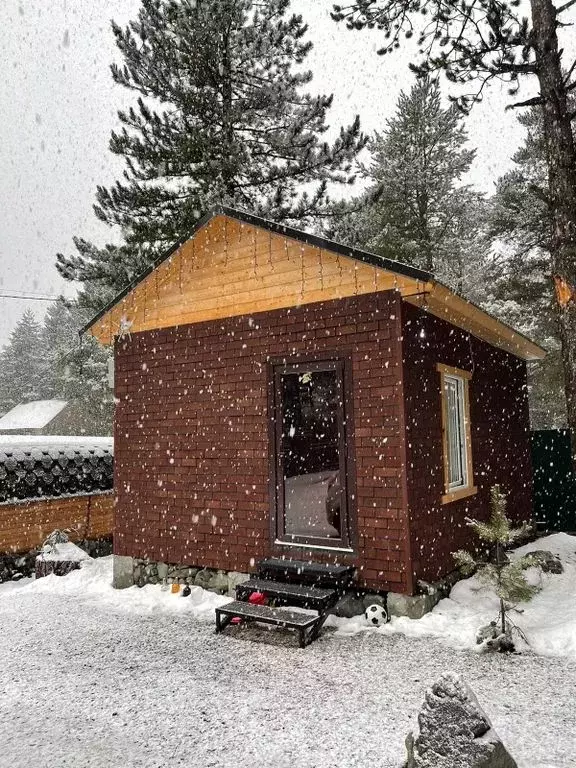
column 25, row 524
column 230, row 268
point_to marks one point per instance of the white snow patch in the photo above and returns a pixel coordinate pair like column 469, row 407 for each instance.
column 34, row 415
column 65, row 551
column 94, row 578
column 548, row 620
column 44, row 442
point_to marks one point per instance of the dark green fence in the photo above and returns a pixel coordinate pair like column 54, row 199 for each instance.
column 554, row 480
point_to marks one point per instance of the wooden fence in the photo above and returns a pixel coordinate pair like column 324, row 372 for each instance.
column 554, row 480
column 25, row 524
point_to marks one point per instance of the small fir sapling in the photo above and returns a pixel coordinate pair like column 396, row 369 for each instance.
column 506, row 577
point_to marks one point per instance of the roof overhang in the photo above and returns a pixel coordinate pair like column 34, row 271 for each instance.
column 447, row 305
column 416, row 286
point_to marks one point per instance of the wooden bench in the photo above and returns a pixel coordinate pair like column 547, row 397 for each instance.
column 306, row 625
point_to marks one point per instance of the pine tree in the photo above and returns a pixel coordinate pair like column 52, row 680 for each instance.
column 21, row 366
column 475, row 44
column 102, row 272
column 506, row 577
column 48, row 362
column 77, row 370
column 519, row 214
column 520, row 289
column 416, row 208
column 222, row 116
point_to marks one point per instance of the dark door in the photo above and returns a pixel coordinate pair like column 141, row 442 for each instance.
column 310, row 449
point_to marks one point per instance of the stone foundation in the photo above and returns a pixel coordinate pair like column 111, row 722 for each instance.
column 413, row 607
column 129, row 571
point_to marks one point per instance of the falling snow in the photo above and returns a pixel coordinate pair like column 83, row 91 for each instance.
column 98, row 677
column 276, row 391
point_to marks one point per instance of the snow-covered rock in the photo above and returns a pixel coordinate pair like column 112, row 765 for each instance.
column 64, row 551
column 59, row 559
column 455, row 732
column 548, row 562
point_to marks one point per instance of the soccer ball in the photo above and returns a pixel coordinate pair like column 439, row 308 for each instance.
column 376, row 615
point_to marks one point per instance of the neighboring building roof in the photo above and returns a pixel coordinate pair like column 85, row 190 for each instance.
column 49, row 466
column 193, row 281
column 34, row 415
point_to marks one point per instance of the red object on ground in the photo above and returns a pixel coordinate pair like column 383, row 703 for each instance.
column 256, row 598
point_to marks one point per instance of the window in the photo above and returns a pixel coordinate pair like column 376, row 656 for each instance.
column 457, row 443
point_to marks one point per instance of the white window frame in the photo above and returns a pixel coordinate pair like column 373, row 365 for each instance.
column 456, row 433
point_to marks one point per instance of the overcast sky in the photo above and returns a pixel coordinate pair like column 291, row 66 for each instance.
column 58, row 105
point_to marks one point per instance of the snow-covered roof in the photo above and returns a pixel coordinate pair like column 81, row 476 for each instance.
column 34, row 415
column 26, row 443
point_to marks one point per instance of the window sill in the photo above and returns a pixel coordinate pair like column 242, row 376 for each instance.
column 459, row 493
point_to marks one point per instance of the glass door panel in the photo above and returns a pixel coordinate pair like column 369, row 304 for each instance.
column 311, row 453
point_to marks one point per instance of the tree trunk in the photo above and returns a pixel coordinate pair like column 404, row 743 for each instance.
column 561, row 160
column 500, row 562
column 502, row 617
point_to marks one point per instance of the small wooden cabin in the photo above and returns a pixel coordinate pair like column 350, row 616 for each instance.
column 282, row 395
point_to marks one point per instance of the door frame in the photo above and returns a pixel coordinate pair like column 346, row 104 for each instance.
column 296, row 364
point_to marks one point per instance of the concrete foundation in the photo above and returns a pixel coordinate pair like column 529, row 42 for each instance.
column 413, row 607
column 123, row 572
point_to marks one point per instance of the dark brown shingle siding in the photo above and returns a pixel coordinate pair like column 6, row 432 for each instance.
column 500, row 437
column 191, row 436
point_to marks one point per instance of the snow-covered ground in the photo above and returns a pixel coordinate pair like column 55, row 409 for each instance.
column 548, row 621
column 91, row 676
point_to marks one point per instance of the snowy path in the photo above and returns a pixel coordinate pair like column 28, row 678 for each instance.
column 87, row 682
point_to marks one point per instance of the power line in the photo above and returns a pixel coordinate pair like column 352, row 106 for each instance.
column 27, row 296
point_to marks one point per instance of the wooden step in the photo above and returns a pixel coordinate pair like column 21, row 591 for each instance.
column 302, row 572
column 304, row 623
column 307, row 596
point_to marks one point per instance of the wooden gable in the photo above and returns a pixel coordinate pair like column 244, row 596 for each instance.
column 230, row 267
column 237, row 264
